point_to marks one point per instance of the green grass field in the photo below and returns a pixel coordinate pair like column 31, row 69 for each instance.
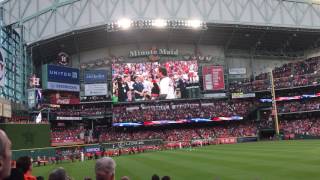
column 281, row 160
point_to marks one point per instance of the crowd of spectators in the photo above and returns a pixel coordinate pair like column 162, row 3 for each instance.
column 188, row 69
column 94, row 98
column 141, row 81
column 247, row 86
column 67, row 112
column 298, row 106
column 177, row 111
column 301, row 73
column 266, row 120
column 67, row 135
column 72, row 112
column 183, row 134
column 93, row 111
column 308, row 126
column 60, row 135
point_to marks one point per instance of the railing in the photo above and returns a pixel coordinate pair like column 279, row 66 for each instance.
column 297, row 81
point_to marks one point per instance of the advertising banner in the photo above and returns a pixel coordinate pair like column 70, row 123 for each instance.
column 231, row 140
column 60, row 78
column 2, row 67
column 127, row 144
column 213, row 78
column 153, row 52
column 6, row 108
column 31, row 98
column 126, row 123
column 92, row 149
column 63, row 86
column 65, row 101
column 288, row 98
column 7, row 112
column 34, row 97
column 95, row 77
column 236, row 71
column 63, row 74
column 69, row 118
column 95, row 89
column 215, row 95
column 247, row 139
column 242, row 95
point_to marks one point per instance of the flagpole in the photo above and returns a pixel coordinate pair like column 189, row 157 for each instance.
column 48, row 116
column 274, row 105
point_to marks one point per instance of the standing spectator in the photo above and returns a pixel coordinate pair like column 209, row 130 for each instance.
column 138, row 88
column 155, row 91
column 166, row 84
column 82, row 156
column 105, row 169
column 5, row 155
column 182, row 85
column 16, row 174
column 165, row 178
column 25, row 165
column 155, row 177
column 127, row 79
column 125, row 178
column 58, row 174
column 123, row 90
column 147, row 85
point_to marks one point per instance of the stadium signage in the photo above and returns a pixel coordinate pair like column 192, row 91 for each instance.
column 34, row 97
column 63, row 86
column 154, row 52
column 95, row 89
column 69, row 118
column 60, row 78
column 247, row 139
column 215, row 95
column 63, row 74
column 34, row 81
column 241, row 95
column 92, row 149
column 236, row 71
column 63, row 59
column 65, row 101
column 5, row 108
column 126, row 144
column 96, row 76
column 213, row 78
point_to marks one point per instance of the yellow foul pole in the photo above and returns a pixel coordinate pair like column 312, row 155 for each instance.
column 274, row 105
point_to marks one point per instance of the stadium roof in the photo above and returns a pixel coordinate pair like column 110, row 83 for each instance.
column 255, row 39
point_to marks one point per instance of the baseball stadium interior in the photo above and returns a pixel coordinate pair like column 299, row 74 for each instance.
column 160, row 89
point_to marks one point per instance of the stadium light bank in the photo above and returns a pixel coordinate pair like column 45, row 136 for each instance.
column 125, row 24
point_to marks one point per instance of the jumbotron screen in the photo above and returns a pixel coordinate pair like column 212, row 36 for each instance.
column 147, row 81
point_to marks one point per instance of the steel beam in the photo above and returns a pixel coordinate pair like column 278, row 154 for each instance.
column 44, row 19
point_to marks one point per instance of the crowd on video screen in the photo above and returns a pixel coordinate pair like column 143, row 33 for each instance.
column 153, row 80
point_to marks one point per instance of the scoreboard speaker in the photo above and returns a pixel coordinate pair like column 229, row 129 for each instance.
column 193, row 92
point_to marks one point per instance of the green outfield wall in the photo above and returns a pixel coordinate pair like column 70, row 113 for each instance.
column 27, row 136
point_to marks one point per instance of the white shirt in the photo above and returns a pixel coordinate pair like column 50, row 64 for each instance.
column 82, row 156
column 147, row 86
column 167, row 87
column 130, row 84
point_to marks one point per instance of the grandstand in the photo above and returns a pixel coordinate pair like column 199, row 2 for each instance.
column 111, row 78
